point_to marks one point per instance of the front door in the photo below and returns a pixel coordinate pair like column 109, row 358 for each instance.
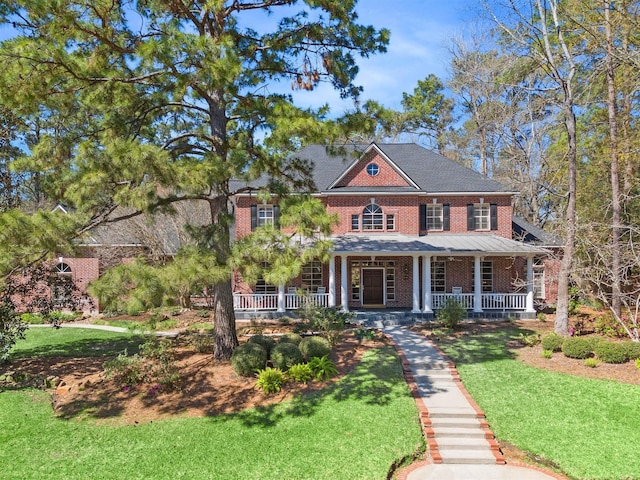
column 373, row 287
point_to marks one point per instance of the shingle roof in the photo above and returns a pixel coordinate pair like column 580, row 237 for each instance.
column 432, row 172
column 526, row 232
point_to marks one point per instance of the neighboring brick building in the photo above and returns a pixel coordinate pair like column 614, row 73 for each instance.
column 414, row 229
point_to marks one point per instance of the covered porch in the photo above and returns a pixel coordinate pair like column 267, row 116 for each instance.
column 378, row 272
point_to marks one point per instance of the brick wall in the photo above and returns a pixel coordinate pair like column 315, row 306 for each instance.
column 387, row 175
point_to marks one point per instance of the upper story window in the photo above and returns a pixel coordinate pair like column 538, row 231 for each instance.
column 482, row 216
column 263, row 215
column 434, row 217
column 373, row 169
column 372, row 218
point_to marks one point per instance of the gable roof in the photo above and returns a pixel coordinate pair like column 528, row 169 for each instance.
column 426, row 171
column 528, row 233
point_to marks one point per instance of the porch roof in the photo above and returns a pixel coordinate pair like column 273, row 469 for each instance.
column 449, row 245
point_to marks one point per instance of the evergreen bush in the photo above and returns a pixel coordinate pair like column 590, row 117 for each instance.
column 249, row 358
column 315, row 347
column 552, row 342
column 290, row 338
column 284, row 355
column 633, row 350
column 611, row 352
column 452, row 313
column 577, row 347
column 266, row 342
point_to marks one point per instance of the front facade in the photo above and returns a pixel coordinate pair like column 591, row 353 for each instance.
column 414, row 229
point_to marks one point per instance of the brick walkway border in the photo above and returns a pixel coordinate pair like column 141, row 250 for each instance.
column 433, row 457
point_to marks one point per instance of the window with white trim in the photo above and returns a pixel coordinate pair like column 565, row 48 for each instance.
column 434, row 217
column 372, row 218
column 265, row 215
column 438, row 277
column 486, row 275
column 262, row 286
column 482, row 216
column 312, row 276
column 62, row 283
column 538, row 278
column 391, row 221
column 355, row 222
column 391, row 280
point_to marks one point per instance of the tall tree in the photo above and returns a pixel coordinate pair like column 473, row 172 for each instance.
column 146, row 94
column 541, row 31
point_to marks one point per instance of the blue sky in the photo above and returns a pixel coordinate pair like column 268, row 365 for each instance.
column 420, row 32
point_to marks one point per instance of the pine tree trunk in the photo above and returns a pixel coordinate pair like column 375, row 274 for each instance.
column 224, row 321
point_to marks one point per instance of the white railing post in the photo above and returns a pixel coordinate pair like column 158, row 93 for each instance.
column 529, row 302
column 281, row 304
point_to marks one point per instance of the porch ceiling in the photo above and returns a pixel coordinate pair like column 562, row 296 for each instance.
column 450, row 245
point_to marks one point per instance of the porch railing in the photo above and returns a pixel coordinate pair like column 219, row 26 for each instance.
column 489, row 301
column 269, row 301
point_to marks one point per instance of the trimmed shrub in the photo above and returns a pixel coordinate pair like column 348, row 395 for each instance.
column 611, row 352
column 270, row 380
column 290, row 338
column 552, row 342
column 452, row 313
column 577, row 347
column 315, row 347
column 266, row 342
column 300, row 372
column 248, row 358
column 633, row 350
column 284, row 355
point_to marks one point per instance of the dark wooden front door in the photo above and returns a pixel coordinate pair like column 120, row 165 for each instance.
column 373, row 286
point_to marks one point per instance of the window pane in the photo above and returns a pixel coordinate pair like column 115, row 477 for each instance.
column 265, row 215
column 355, row 222
column 434, row 217
column 438, row 277
column 481, row 216
column 372, row 218
column 312, row 276
column 391, row 222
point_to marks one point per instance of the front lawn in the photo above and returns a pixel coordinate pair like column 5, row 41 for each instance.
column 354, row 429
column 589, row 428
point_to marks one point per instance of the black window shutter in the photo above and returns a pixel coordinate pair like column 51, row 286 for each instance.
column 254, row 217
column 493, row 216
column 276, row 216
column 423, row 217
column 446, row 217
column 471, row 223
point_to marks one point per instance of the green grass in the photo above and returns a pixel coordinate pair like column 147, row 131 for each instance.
column 589, row 428
column 133, row 325
column 355, row 429
column 73, row 342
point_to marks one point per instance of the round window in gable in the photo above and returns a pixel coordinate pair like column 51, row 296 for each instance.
column 373, row 169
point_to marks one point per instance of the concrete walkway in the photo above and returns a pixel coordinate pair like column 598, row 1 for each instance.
column 461, row 445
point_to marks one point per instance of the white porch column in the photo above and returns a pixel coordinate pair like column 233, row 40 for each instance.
column 343, row 283
column 529, row 303
column 416, row 284
column 427, row 301
column 477, row 285
column 332, row 281
column 281, row 302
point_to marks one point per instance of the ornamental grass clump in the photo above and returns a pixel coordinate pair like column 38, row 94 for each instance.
column 577, row 347
column 248, row 358
column 284, row 355
column 552, row 342
column 322, row 368
column 270, row 380
column 315, row 347
column 300, row 372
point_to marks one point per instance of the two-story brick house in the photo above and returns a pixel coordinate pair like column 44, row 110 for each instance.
column 414, row 228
